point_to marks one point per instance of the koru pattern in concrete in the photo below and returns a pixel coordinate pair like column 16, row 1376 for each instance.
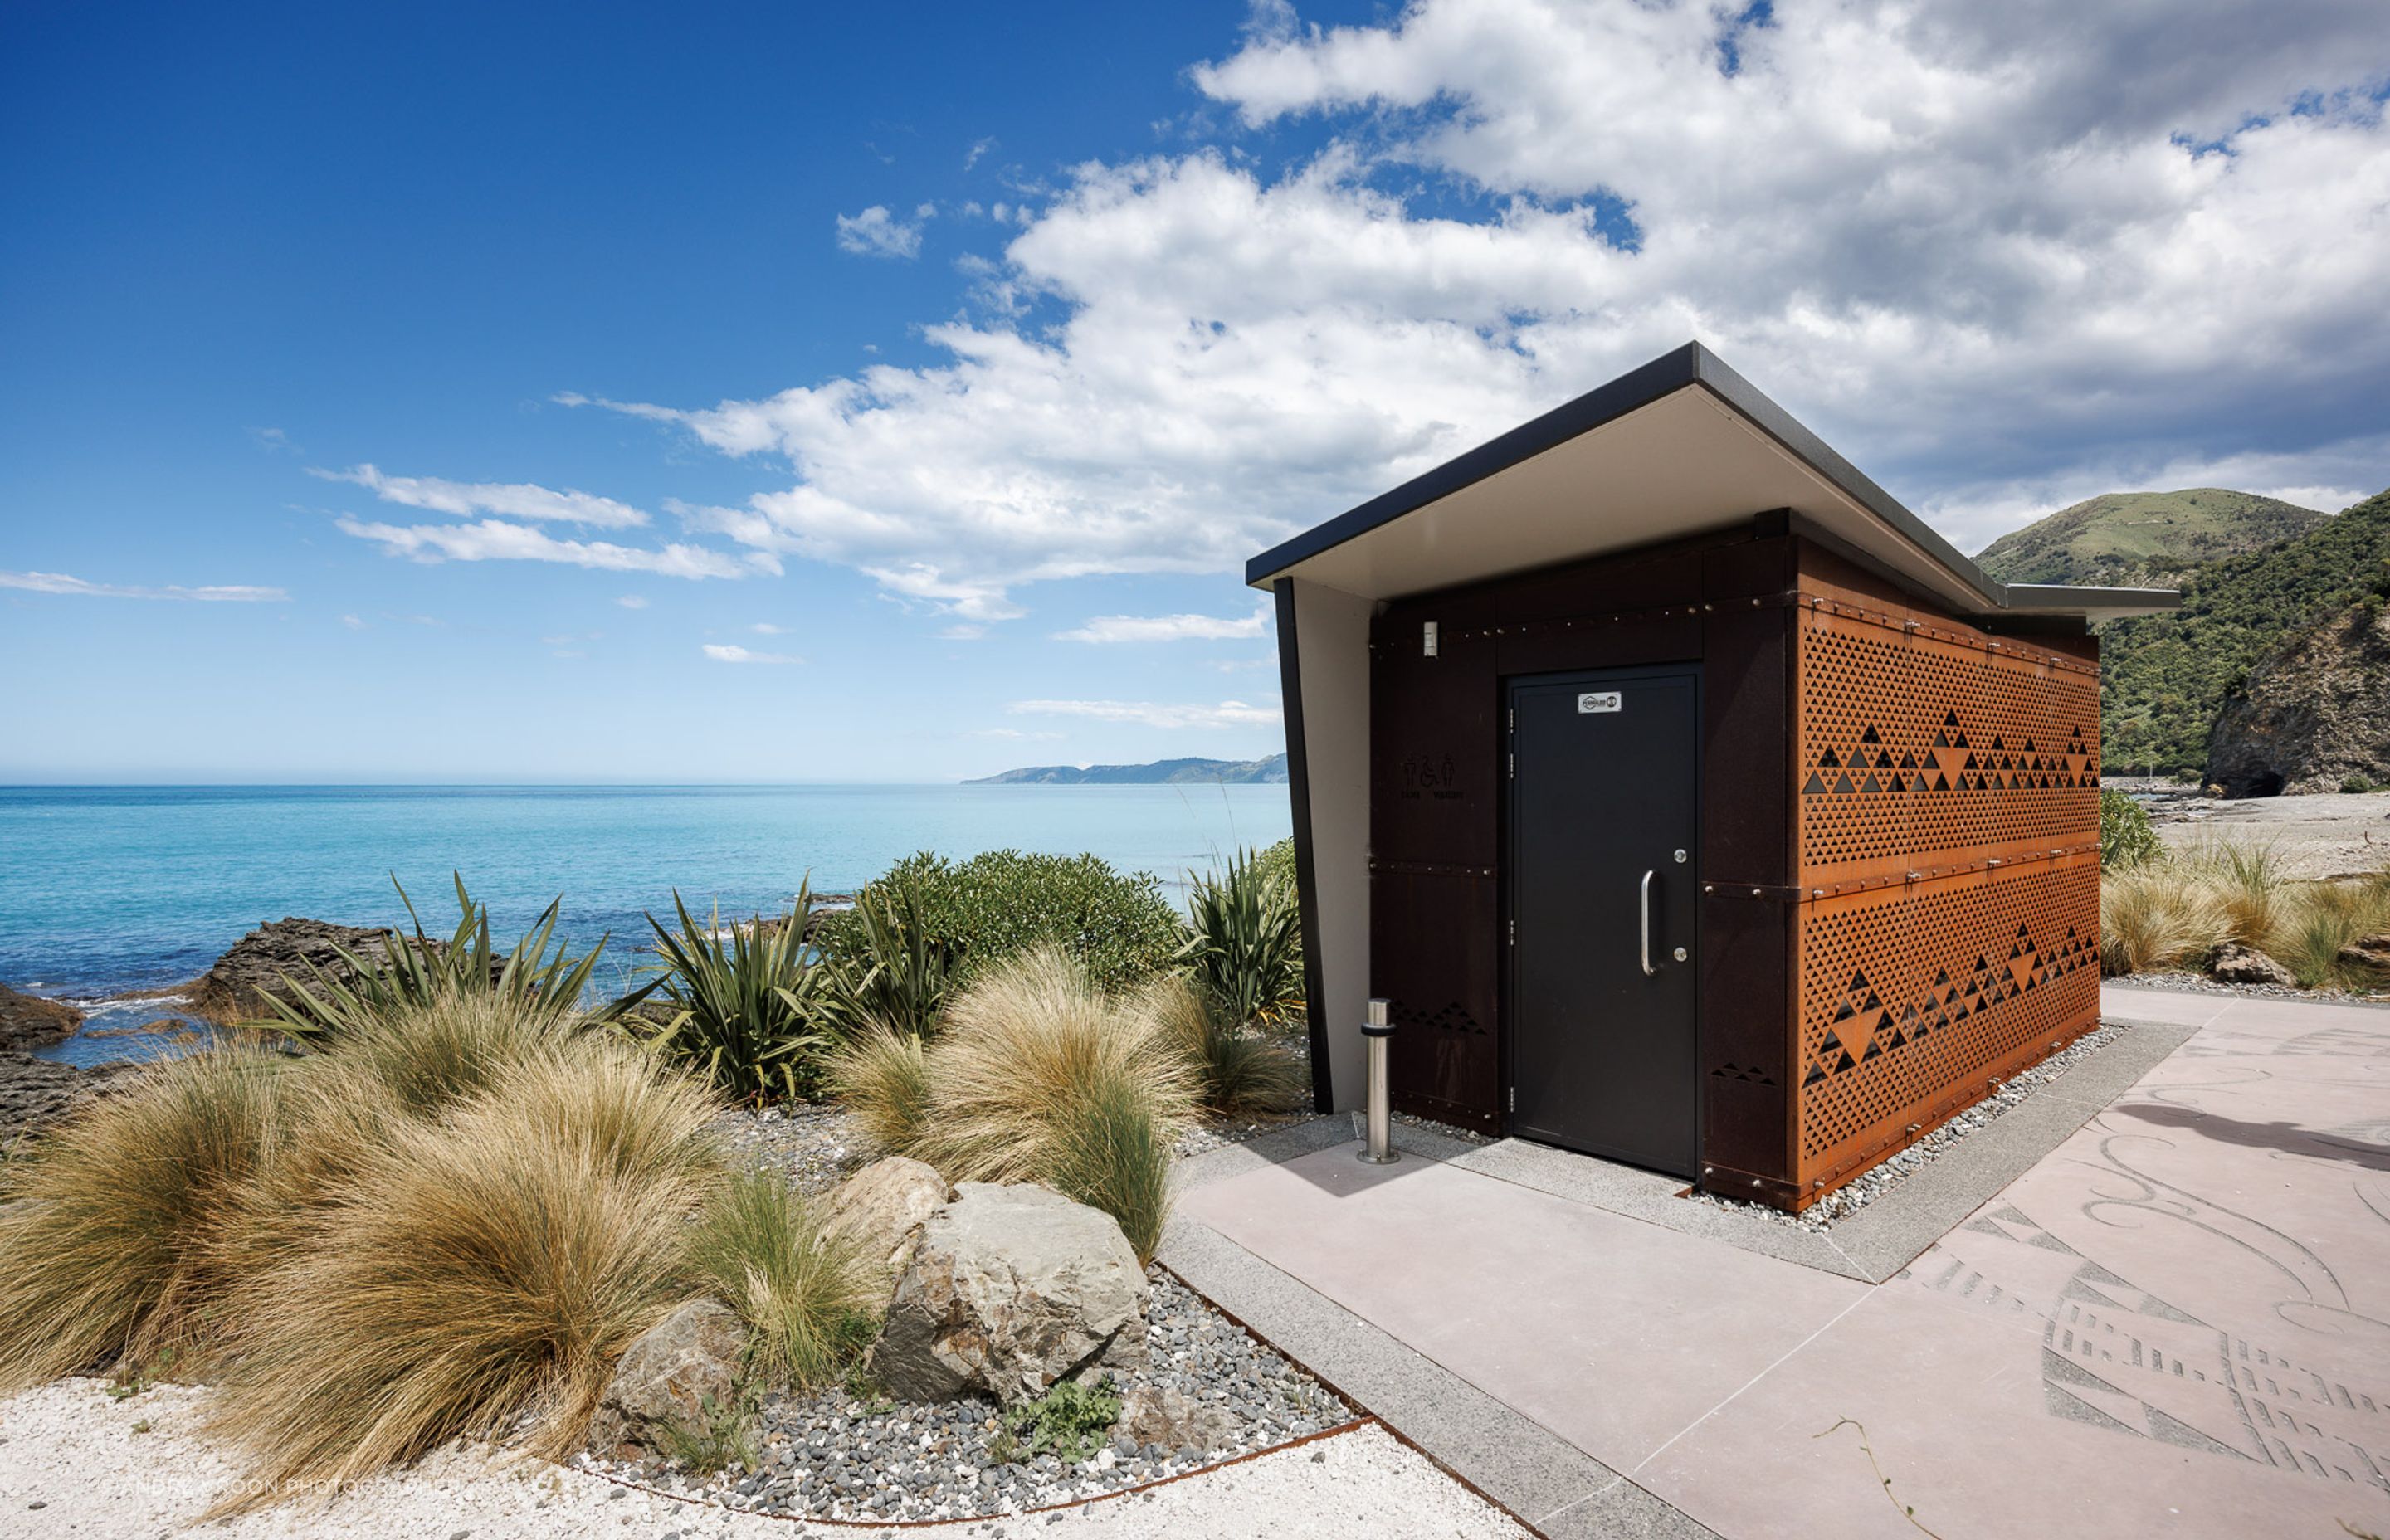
column 2177, row 1321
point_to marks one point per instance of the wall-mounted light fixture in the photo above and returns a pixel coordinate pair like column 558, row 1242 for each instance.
column 1427, row 639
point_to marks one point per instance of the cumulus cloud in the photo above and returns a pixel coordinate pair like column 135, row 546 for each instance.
column 1994, row 253
column 513, row 500
column 1167, row 628
column 496, row 540
column 1228, row 714
column 876, row 232
column 60, row 583
column 727, row 652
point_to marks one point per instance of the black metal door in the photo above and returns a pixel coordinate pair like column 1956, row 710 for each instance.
column 1603, row 806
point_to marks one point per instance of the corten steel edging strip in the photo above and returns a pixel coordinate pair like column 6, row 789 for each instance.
column 1307, row 872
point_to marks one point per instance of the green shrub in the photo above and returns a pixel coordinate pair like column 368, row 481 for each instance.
column 2125, row 838
column 1246, row 943
column 2358, row 785
column 1069, row 1421
column 101, row 1253
column 1238, row 1070
column 746, row 1009
column 890, row 970
column 1119, row 928
column 807, row 1295
column 421, row 970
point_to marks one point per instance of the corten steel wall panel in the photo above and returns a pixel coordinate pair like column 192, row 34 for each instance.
column 1435, row 962
column 1946, row 834
column 1916, row 1000
column 1745, row 942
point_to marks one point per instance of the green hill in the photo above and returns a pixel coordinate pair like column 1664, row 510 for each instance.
column 2144, row 539
column 2164, row 678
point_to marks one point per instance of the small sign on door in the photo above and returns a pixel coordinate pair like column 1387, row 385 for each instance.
column 1597, row 700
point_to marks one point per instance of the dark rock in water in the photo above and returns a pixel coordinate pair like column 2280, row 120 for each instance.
column 293, row 948
column 2313, row 716
column 28, row 1021
column 35, row 1093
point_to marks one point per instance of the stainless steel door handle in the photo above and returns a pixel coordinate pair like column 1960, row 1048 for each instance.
column 1647, row 969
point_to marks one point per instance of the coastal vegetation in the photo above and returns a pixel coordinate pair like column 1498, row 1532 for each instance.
column 456, row 1191
column 745, row 1003
column 1037, row 1076
column 2163, row 910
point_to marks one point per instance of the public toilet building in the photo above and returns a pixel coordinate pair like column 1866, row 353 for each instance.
column 1693, row 804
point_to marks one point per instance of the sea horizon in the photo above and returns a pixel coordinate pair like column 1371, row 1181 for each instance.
column 117, row 887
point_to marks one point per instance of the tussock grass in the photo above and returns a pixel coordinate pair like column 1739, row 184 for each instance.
column 1039, row 1076
column 2175, row 909
column 451, row 1222
column 2150, row 920
column 101, row 1248
column 475, row 1278
column 805, row 1293
column 413, row 1061
column 2246, row 880
column 1031, row 1037
column 882, row 1075
column 1238, row 1070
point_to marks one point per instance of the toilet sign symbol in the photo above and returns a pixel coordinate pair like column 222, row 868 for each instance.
column 1597, row 700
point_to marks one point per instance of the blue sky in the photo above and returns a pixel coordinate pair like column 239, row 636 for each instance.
column 512, row 392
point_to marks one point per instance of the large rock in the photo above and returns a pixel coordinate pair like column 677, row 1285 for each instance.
column 882, row 1208
column 667, row 1379
column 2368, row 953
column 2235, row 964
column 296, row 949
column 30, row 1021
column 1010, row 1290
column 1171, row 1421
column 2314, row 715
column 35, row 1093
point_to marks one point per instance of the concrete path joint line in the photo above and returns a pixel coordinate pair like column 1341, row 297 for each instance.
column 1748, row 1383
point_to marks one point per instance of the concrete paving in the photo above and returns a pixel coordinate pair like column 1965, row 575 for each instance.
column 2173, row 1318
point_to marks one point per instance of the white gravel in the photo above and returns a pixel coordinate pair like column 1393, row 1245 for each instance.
column 73, row 1467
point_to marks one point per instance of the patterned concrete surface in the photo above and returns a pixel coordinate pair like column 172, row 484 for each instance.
column 2176, row 1322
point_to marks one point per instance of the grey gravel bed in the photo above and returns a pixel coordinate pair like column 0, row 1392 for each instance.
column 1857, row 1193
column 818, row 1145
column 838, row 1456
column 2201, row 983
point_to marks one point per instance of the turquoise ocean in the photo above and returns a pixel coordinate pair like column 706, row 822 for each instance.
column 109, row 889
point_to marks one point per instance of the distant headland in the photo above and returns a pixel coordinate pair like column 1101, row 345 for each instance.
column 1161, row 772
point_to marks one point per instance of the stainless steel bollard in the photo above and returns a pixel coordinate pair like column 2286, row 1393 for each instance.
column 1375, row 1031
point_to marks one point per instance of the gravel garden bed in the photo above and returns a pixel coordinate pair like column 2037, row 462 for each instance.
column 851, row 1456
column 1856, row 1194
column 2201, row 983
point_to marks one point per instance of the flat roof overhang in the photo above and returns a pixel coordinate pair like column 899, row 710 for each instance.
column 1682, row 446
